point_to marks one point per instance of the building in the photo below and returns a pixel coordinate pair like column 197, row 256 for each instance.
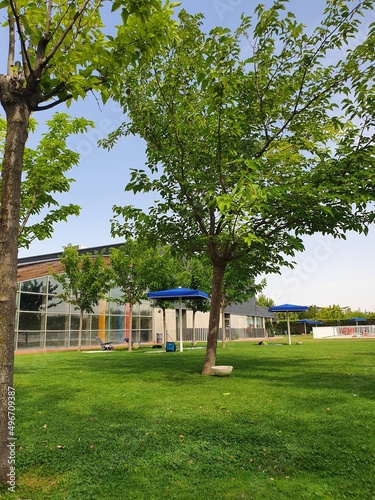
column 45, row 321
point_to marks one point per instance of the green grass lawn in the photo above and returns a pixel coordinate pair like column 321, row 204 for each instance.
column 292, row 422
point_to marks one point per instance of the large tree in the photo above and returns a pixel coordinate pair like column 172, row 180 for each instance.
column 57, row 52
column 85, row 280
column 129, row 265
column 254, row 138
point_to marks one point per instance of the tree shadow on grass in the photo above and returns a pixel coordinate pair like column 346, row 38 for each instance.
column 149, row 446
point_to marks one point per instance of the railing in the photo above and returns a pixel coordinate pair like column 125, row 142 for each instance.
column 231, row 334
column 344, row 331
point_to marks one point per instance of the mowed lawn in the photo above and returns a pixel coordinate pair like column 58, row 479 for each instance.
column 293, row 422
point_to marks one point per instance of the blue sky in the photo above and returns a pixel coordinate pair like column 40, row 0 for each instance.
column 328, row 272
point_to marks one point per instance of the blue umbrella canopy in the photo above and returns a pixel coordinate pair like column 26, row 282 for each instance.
column 309, row 322
column 178, row 293
column 287, row 308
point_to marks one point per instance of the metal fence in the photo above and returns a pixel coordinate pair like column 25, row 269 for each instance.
column 231, row 334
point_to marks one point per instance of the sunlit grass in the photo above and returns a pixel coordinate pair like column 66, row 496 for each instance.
column 289, row 422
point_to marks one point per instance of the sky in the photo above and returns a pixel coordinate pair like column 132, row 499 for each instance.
column 329, row 271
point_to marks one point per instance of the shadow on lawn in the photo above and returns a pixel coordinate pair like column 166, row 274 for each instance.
column 152, row 447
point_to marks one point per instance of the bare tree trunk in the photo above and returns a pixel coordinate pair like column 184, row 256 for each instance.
column 80, row 329
column 17, row 119
column 213, row 325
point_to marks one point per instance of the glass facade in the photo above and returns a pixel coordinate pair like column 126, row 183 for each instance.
column 45, row 321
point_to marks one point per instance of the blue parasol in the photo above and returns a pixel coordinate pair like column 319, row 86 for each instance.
column 357, row 319
column 287, row 308
column 178, row 293
column 309, row 322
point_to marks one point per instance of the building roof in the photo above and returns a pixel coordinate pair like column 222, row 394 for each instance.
column 38, row 266
column 50, row 257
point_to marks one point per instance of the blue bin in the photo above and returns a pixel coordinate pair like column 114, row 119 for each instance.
column 170, row 346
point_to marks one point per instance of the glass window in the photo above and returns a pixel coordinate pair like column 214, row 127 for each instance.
column 54, row 287
column 32, row 301
column 135, row 322
column 35, row 286
column 115, row 309
column 74, row 322
column 57, row 305
column 31, row 321
column 145, row 323
column 145, row 336
column 28, row 340
column 57, row 339
column 115, row 323
column 259, row 322
column 94, row 322
column 85, row 338
column 58, row 322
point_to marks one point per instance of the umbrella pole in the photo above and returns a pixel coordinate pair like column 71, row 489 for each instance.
column 180, row 321
column 289, row 338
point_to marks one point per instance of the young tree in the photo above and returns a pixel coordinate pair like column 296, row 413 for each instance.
column 263, row 301
column 129, row 264
column 250, row 148
column 44, row 174
column 333, row 313
column 57, row 52
column 85, row 281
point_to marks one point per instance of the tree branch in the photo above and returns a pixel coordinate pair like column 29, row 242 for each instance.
column 27, row 68
column 68, row 28
column 11, row 48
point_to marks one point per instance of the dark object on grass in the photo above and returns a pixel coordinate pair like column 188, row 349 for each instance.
column 106, row 346
column 157, row 346
column 262, row 343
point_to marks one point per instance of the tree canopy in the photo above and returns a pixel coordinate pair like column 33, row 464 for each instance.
column 254, row 138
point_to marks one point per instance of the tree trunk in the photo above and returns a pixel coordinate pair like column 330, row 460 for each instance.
column 17, row 124
column 213, row 325
column 80, row 329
